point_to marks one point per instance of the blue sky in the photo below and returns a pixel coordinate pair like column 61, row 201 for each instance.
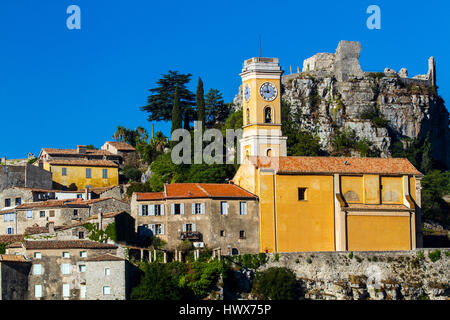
column 60, row 87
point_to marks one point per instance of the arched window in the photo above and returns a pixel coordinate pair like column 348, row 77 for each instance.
column 248, row 115
column 269, row 152
column 268, row 115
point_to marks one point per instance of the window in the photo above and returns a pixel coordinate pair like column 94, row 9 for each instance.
column 38, row 291
column 66, row 290
column 107, row 271
column 189, row 227
column 242, row 234
column 5, row 217
column 64, row 171
column 51, row 213
column 83, row 291
column 198, row 208
column 267, row 115
column 223, row 208
column 66, row 255
column 18, row 201
column 37, row 255
column 88, row 173
column 105, row 173
column 222, row 233
column 269, row 152
column 159, row 229
column 80, row 235
column 37, row 269
column 8, row 202
column 158, row 209
column 106, row 290
column 177, row 208
column 82, row 267
column 79, row 196
column 10, row 230
column 144, row 210
column 42, row 214
column 29, row 214
column 65, row 268
column 301, row 194
column 75, row 212
column 12, row 216
column 243, row 208
column 83, row 254
column 248, row 116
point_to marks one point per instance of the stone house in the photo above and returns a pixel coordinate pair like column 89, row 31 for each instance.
column 25, row 175
column 221, row 216
column 14, row 270
column 118, row 148
column 65, row 270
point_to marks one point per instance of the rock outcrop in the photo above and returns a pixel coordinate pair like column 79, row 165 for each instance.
column 333, row 93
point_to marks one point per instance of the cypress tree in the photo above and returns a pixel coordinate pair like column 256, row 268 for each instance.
column 176, row 111
column 201, row 115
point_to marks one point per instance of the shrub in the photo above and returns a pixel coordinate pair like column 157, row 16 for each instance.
column 276, row 284
column 434, row 255
column 420, row 255
column 132, row 173
column 350, row 255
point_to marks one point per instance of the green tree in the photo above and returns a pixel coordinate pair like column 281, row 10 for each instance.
column 435, row 185
column 165, row 171
column 201, row 115
column 303, row 143
column 160, row 282
column 217, row 111
column 160, row 101
column 132, row 173
column 176, row 111
column 276, row 284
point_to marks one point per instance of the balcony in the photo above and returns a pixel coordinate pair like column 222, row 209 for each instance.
column 190, row 235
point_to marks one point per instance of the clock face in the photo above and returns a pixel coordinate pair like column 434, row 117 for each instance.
column 247, row 92
column 268, row 91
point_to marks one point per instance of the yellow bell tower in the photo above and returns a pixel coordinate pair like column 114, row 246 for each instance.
column 261, row 83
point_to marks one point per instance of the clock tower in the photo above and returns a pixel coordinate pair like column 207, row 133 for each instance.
column 261, row 83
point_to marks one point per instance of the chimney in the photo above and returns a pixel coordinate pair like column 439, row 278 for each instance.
column 51, row 227
column 100, row 219
column 81, row 149
column 86, row 194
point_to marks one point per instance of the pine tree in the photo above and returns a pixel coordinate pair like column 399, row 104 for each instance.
column 201, row 116
column 160, row 102
column 216, row 109
column 176, row 111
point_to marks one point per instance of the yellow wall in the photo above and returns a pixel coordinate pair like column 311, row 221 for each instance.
column 371, row 189
column 301, row 225
column 77, row 175
column 352, row 188
column 392, row 190
column 372, row 233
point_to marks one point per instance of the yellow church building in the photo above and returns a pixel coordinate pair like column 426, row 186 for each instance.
column 320, row 203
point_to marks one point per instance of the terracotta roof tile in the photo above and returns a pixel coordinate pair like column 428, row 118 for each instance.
column 197, row 190
column 105, row 257
column 331, row 165
column 12, row 258
column 86, row 163
column 67, row 244
column 56, row 151
column 11, row 238
column 53, row 204
column 121, row 146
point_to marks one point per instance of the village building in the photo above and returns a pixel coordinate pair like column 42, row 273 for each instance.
column 74, row 270
column 24, row 175
column 221, row 216
column 320, row 203
column 14, row 270
column 122, row 149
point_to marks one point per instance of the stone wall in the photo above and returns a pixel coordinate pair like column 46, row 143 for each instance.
column 13, row 280
column 96, row 280
column 24, row 176
column 408, row 275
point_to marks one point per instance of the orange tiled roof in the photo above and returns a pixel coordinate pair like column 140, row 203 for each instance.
column 53, row 204
column 11, row 238
column 197, row 190
column 58, row 151
column 336, row 165
column 121, row 146
column 67, row 244
column 12, row 258
column 85, row 163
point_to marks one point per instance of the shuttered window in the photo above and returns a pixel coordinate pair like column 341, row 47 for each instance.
column 88, row 173
column 223, row 208
column 243, row 210
column 38, row 291
column 66, row 290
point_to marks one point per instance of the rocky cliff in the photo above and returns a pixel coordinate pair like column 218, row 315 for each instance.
column 332, row 93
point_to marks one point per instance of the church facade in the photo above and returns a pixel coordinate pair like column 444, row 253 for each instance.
column 320, row 203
